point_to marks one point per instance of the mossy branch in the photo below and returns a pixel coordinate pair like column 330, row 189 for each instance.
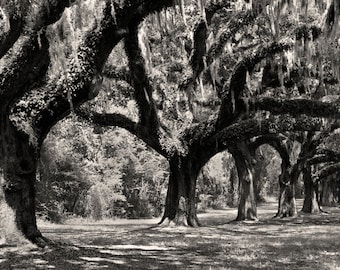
column 232, row 103
column 324, row 156
column 42, row 107
column 247, row 129
column 119, row 120
column 274, row 140
column 327, row 171
column 141, row 83
column 237, row 22
column 295, row 107
column 30, row 18
column 22, row 66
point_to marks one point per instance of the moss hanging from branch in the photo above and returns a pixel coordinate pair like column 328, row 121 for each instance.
column 197, row 60
column 331, row 20
column 181, row 4
column 144, row 44
column 201, row 7
column 237, row 23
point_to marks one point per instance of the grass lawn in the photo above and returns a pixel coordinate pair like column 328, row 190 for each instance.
column 303, row 242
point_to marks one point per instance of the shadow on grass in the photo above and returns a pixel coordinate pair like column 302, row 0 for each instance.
column 268, row 244
column 296, row 253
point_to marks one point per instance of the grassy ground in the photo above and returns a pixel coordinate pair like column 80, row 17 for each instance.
column 304, row 242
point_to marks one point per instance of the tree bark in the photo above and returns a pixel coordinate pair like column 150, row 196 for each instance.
column 287, row 201
column 287, row 180
column 24, row 61
column 338, row 190
column 310, row 203
column 328, row 192
column 260, row 183
column 17, row 174
column 247, row 203
column 180, row 205
column 175, row 191
column 234, row 187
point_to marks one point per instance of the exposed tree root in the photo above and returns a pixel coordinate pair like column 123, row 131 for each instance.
column 42, row 241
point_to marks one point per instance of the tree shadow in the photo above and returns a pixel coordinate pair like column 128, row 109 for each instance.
column 302, row 242
column 68, row 256
column 216, row 248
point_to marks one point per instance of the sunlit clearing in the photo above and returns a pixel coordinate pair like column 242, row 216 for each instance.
column 126, row 247
column 97, row 259
column 39, row 263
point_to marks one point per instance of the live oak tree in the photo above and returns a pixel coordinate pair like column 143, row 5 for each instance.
column 42, row 98
column 327, row 170
column 24, row 61
column 217, row 104
column 325, row 166
column 312, row 151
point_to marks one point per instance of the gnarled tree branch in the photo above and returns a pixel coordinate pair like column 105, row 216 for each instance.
column 324, row 156
column 140, row 81
column 19, row 16
column 327, row 171
column 295, row 107
column 232, row 103
column 50, row 103
column 274, row 140
column 119, row 120
column 251, row 128
column 240, row 20
column 27, row 61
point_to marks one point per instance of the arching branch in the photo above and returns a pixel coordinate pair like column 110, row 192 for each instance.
column 141, row 83
column 274, row 140
column 327, row 171
column 232, row 103
column 237, row 22
column 246, row 129
column 295, row 107
column 44, row 106
column 25, row 64
column 48, row 104
column 19, row 16
column 324, row 156
column 28, row 59
column 119, row 120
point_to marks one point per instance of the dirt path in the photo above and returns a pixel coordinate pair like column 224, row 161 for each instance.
column 304, row 242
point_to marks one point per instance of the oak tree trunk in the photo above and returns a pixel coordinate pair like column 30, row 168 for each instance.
column 247, row 203
column 180, row 205
column 18, row 160
column 310, row 203
column 327, row 196
column 338, row 189
column 287, row 201
column 234, row 188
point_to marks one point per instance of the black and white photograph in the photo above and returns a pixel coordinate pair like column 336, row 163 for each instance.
column 169, row 134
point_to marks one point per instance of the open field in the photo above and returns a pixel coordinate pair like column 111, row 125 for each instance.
column 304, row 242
